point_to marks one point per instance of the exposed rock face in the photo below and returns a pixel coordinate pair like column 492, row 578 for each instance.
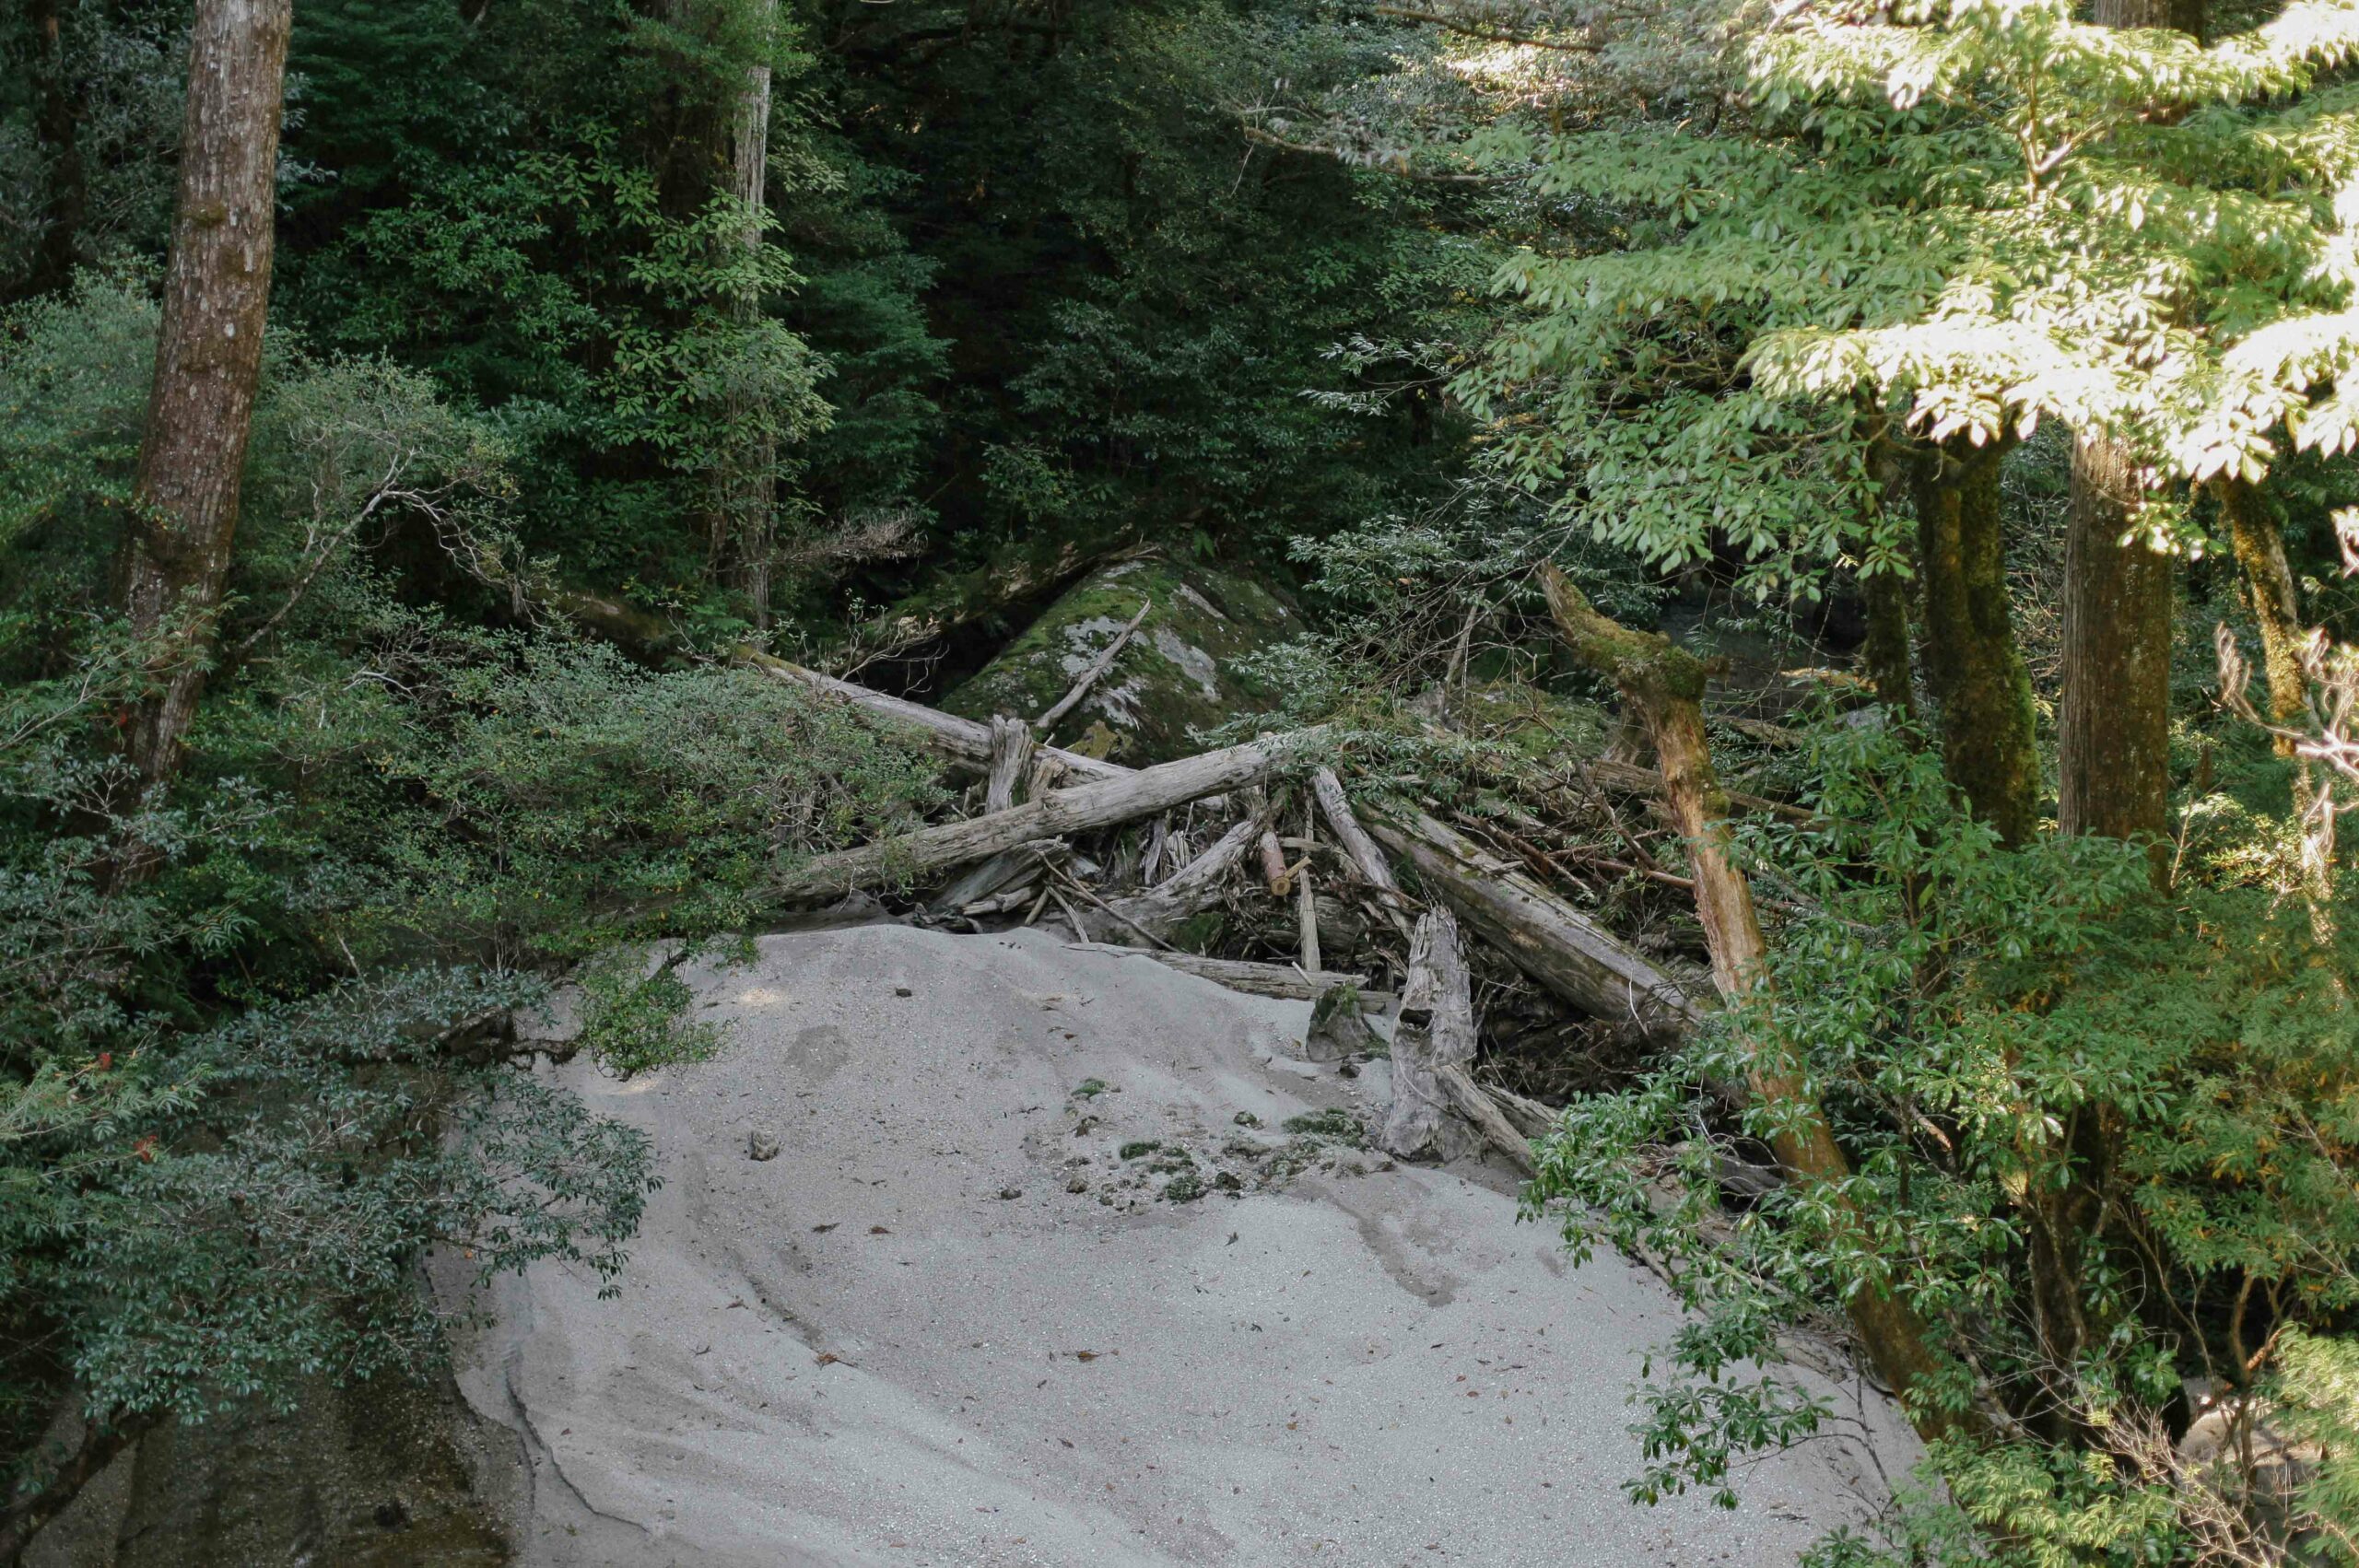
column 1062, row 1257
column 1068, row 1258
column 1176, row 673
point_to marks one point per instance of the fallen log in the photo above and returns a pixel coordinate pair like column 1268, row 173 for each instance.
column 1358, row 848
column 1472, row 1101
column 1157, row 913
column 1187, row 893
column 1547, row 938
column 1021, row 864
column 1049, row 815
column 1284, row 981
column 963, row 739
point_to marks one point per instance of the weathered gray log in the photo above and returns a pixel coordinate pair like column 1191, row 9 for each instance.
column 1305, row 911
column 1528, row 1117
column 1435, row 1028
column 1051, row 816
column 1366, row 858
column 1047, row 722
column 1158, row 838
column 1284, row 981
column 1187, row 893
column 963, row 739
column 1472, row 1101
column 1022, row 864
column 1547, row 938
column 1358, row 848
column 1010, row 760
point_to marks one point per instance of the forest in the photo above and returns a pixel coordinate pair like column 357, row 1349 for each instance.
column 1770, row 586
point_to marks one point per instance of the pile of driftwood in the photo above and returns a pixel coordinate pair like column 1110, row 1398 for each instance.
column 1187, row 835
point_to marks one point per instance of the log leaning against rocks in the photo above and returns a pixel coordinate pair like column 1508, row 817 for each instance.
column 1547, row 937
column 1081, row 809
column 963, row 739
column 1195, row 887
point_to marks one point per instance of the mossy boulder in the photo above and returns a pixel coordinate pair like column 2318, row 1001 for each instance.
column 1176, row 674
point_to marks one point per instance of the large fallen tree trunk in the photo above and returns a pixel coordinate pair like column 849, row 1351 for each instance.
column 1665, row 686
column 1058, row 811
column 1547, row 938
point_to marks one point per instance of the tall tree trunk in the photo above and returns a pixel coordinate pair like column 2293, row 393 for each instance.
column 2261, row 550
column 1989, row 743
column 1664, row 685
column 208, row 361
column 1886, row 651
column 1887, row 654
column 2114, row 722
column 58, row 127
column 2113, row 725
column 744, row 508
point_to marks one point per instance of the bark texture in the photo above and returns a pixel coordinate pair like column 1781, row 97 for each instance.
column 1886, row 651
column 2261, row 550
column 745, row 504
column 2114, row 721
column 1989, row 743
column 1543, row 935
column 1049, row 815
column 1436, row 1029
column 208, row 361
column 1664, row 685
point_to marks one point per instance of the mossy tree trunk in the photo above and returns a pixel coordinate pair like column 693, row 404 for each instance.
column 1888, row 654
column 1886, row 651
column 1664, row 685
column 743, row 526
column 2114, row 721
column 1988, row 741
column 2261, row 552
column 209, row 362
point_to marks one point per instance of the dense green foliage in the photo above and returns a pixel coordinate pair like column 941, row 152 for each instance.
column 1708, row 304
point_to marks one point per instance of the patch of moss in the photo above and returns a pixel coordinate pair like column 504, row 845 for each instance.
column 1542, row 725
column 1174, row 675
column 1184, row 1188
column 1338, row 1126
column 1140, row 1150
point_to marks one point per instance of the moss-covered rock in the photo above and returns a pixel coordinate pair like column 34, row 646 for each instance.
column 1176, row 674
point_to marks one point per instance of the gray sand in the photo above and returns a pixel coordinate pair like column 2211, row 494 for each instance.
column 1379, row 1368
